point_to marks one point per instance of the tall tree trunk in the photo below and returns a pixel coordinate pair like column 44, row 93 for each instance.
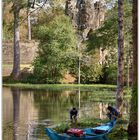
column 29, row 24
column 16, row 62
column 133, row 122
column 120, row 77
column 79, row 64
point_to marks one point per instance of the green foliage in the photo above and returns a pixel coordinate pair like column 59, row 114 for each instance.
column 61, row 87
column 87, row 122
column 7, row 32
column 9, row 7
column 106, row 37
column 90, row 122
column 62, row 128
column 91, row 73
column 134, row 100
column 118, row 132
column 109, row 75
column 19, row 4
column 134, row 108
column 56, row 49
column 7, row 22
column 58, row 53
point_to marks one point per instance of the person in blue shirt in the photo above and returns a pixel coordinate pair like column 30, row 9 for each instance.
column 112, row 113
column 73, row 115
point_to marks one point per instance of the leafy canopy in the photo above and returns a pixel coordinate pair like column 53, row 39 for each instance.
column 56, row 49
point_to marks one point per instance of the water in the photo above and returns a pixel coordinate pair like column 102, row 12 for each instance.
column 26, row 113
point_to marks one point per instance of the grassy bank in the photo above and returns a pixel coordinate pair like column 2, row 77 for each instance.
column 62, row 86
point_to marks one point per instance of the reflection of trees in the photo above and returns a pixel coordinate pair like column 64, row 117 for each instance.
column 54, row 103
column 126, row 107
column 16, row 109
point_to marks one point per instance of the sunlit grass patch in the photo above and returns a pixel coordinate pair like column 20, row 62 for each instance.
column 84, row 87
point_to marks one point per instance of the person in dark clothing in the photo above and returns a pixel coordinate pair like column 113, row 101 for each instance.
column 112, row 113
column 73, row 115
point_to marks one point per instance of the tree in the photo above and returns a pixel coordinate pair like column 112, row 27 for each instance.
column 57, row 48
column 29, row 24
column 120, row 75
column 133, row 122
column 16, row 7
column 106, row 38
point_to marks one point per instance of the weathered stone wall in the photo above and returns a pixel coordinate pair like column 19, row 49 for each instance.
column 28, row 51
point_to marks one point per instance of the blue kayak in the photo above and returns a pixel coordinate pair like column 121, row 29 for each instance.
column 96, row 133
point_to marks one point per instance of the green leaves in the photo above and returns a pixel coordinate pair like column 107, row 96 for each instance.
column 57, row 43
column 106, row 35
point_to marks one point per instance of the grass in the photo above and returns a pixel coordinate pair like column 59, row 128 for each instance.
column 61, row 86
column 11, row 65
column 88, row 122
column 119, row 131
column 7, row 68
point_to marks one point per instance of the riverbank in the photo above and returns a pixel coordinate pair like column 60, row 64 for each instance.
column 62, row 86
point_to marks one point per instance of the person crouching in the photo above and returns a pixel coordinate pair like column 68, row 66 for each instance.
column 73, row 115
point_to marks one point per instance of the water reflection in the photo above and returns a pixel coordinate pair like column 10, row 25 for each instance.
column 27, row 112
column 103, row 109
column 16, row 107
column 79, row 94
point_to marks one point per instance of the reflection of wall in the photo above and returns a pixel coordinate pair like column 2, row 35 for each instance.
column 7, row 114
column 27, row 113
column 7, row 105
column 90, row 110
column 103, row 110
column 27, row 102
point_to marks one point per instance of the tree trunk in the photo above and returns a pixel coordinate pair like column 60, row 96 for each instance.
column 16, row 62
column 79, row 64
column 120, row 77
column 133, row 122
column 29, row 24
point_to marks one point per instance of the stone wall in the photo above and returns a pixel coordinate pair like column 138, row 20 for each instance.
column 28, row 51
